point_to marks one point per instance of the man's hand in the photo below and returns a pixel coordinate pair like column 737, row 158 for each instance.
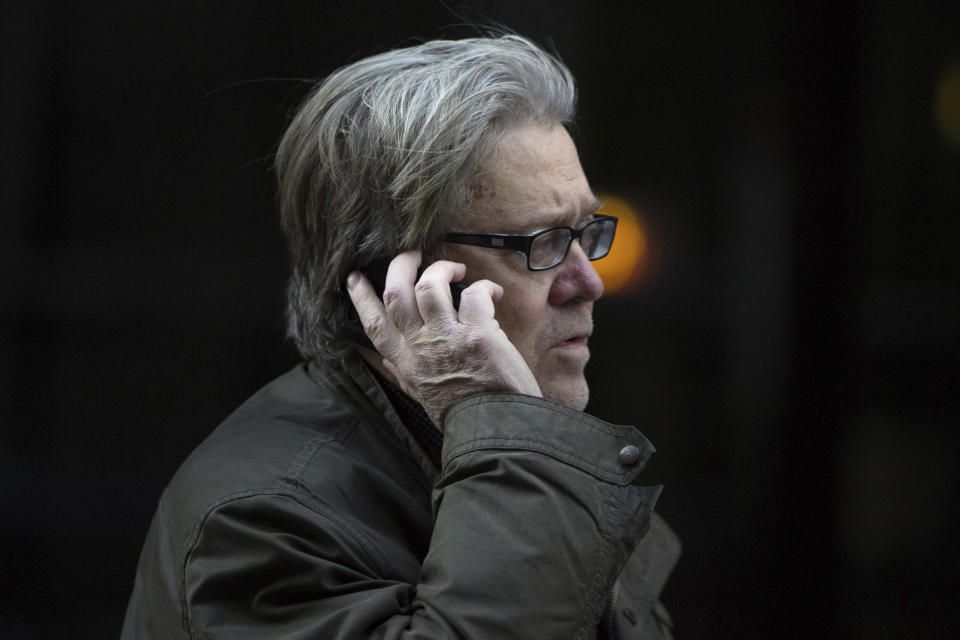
column 437, row 354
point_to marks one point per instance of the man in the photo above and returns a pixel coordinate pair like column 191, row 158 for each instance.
column 442, row 482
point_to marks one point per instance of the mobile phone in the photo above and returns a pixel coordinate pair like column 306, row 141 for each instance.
column 348, row 322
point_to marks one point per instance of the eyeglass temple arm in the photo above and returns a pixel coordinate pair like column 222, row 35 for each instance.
column 492, row 241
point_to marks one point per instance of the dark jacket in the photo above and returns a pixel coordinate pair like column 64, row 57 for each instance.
column 312, row 513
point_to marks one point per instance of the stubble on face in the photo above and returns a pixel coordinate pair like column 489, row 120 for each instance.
column 535, row 181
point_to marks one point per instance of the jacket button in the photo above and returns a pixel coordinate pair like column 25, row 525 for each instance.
column 629, row 454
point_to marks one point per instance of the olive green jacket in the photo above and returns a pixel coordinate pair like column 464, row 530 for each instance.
column 312, row 513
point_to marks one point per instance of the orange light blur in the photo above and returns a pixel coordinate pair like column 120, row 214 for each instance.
column 622, row 270
column 947, row 103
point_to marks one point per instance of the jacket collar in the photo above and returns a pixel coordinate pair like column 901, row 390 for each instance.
column 354, row 377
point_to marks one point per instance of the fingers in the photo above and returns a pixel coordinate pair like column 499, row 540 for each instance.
column 433, row 292
column 370, row 310
column 477, row 302
column 410, row 305
column 398, row 297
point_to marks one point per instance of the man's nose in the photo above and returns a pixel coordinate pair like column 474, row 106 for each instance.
column 577, row 280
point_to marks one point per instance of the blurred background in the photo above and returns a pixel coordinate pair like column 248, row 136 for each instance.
column 783, row 317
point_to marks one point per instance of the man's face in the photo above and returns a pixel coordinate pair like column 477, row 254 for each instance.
column 533, row 182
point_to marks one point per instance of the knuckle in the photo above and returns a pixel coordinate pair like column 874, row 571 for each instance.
column 481, row 287
column 375, row 327
column 391, row 297
column 439, row 265
column 475, row 289
column 424, row 286
column 475, row 342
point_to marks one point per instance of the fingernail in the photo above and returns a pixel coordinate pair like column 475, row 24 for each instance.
column 353, row 279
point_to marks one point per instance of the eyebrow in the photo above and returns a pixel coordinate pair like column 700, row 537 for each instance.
column 546, row 221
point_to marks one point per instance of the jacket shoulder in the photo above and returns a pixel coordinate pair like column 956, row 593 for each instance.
column 263, row 444
column 297, row 436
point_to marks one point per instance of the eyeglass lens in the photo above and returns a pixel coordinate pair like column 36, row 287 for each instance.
column 597, row 238
column 550, row 248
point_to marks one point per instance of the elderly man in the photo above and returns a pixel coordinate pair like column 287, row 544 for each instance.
column 439, row 480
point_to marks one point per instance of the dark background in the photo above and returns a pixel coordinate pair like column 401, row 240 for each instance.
column 793, row 351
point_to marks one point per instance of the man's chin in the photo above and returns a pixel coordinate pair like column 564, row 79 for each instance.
column 571, row 391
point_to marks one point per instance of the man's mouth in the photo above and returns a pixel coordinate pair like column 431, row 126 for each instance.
column 574, row 342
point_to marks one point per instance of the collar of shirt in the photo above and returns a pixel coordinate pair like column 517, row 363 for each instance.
column 414, row 418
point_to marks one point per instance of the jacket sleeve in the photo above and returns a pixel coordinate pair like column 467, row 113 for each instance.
column 536, row 512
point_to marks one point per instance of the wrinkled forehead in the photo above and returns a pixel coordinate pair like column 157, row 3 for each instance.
column 533, row 181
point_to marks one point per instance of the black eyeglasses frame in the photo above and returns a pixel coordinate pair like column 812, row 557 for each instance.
column 524, row 243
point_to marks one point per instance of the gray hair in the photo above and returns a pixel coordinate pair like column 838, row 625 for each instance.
column 382, row 156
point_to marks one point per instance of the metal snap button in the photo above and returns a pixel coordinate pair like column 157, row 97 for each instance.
column 629, row 454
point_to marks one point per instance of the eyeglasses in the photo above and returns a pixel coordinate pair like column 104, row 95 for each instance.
column 547, row 248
